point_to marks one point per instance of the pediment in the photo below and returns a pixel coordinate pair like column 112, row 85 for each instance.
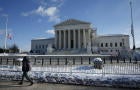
column 71, row 22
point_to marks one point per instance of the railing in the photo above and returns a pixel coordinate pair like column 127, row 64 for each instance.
column 51, row 59
column 78, row 63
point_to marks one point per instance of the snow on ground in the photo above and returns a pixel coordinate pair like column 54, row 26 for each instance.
column 118, row 68
column 84, row 75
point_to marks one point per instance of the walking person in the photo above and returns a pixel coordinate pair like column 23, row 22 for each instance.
column 26, row 67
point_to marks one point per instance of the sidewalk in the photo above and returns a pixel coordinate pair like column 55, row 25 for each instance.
column 13, row 85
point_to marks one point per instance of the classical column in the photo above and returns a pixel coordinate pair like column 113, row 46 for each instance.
column 59, row 39
column 89, row 41
column 84, row 38
column 89, row 37
column 64, row 39
column 56, row 39
column 69, row 40
column 74, row 39
column 79, row 39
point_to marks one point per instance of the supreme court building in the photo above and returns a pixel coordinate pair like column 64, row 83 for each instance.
column 72, row 34
column 79, row 37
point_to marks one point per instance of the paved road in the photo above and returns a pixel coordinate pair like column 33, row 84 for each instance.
column 12, row 85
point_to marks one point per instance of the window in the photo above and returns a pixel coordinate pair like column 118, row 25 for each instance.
column 123, row 42
column 111, row 44
column 46, row 46
column 115, row 44
column 102, row 45
column 106, row 44
column 53, row 46
column 39, row 46
column 106, row 50
column 42, row 46
column 36, row 46
column 120, row 44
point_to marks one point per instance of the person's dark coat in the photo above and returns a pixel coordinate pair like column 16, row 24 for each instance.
column 26, row 64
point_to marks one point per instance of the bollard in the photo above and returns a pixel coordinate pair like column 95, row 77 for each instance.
column 73, row 61
column 111, row 60
column 1, row 61
column 13, row 61
column 81, row 60
column 66, row 61
column 89, row 60
column 124, row 59
column 42, row 61
column 104, row 60
column 57, row 61
column 7, row 62
column 130, row 60
column 50, row 61
column 98, row 63
column 117, row 59
column 35, row 61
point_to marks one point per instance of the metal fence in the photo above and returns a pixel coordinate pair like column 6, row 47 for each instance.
column 77, row 64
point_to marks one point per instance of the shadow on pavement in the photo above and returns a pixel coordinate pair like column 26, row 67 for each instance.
column 13, row 85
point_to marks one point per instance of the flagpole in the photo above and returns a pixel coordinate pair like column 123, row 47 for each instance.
column 132, row 27
column 6, row 24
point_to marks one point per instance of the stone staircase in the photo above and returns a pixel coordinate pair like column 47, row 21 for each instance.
column 69, row 52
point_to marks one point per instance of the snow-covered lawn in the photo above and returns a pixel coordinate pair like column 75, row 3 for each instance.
column 121, row 75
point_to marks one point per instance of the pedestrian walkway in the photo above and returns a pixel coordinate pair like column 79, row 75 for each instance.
column 13, row 85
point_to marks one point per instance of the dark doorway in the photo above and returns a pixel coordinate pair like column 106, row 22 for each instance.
column 71, row 43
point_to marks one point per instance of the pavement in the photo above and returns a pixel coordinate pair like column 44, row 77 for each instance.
column 13, row 85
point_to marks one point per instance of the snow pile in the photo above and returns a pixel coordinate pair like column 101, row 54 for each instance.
column 132, row 81
column 81, row 77
column 97, row 60
column 84, row 68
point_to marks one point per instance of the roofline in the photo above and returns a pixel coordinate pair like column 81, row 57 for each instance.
column 113, row 35
column 67, row 25
column 70, row 19
column 42, row 39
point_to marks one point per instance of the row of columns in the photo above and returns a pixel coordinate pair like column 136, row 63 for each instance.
column 63, row 38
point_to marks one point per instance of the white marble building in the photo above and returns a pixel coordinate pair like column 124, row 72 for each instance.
column 75, row 36
column 40, row 46
column 113, row 43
